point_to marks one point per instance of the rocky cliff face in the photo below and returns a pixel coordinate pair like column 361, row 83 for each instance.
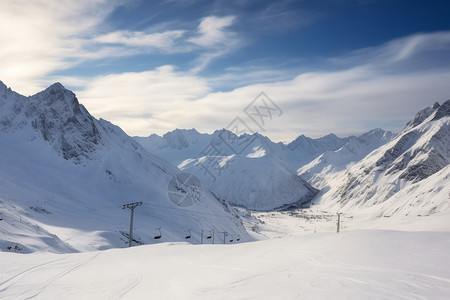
column 57, row 116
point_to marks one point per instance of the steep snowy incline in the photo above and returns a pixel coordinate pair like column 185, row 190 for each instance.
column 407, row 175
column 320, row 171
column 64, row 176
column 254, row 182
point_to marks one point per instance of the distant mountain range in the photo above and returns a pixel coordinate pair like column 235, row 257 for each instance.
column 368, row 169
column 264, row 175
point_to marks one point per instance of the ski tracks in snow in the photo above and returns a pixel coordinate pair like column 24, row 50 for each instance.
column 39, row 273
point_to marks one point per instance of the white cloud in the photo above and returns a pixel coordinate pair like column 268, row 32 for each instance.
column 150, row 42
column 212, row 33
column 38, row 37
column 345, row 102
column 409, row 49
column 146, row 101
column 375, row 87
column 41, row 37
column 213, row 36
column 349, row 101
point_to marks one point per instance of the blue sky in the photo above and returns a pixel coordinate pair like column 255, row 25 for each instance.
column 152, row 66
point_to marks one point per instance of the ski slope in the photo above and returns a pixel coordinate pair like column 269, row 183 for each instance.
column 366, row 264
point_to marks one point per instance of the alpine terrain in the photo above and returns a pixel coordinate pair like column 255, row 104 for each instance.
column 65, row 176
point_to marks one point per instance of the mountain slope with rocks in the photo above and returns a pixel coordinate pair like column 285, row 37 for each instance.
column 65, row 175
column 408, row 175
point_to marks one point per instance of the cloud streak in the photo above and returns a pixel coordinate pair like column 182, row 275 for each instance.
column 373, row 87
column 39, row 37
column 349, row 101
column 162, row 42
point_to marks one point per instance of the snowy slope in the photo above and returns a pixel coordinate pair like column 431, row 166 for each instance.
column 321, row 170
column 64, row 176
column 256, row 182
column 369, row 264
column 409, row 175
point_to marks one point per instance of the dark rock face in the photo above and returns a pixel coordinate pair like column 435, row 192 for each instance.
column 443, row 110
column 435, row 153
column 403, row 144
column 57, row 115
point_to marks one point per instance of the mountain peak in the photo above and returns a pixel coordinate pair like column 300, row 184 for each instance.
column 56, row 114
column 442, row 111
column 56, row 87
column 439, row 111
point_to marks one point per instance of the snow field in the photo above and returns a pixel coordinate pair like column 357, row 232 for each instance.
column 365, row 264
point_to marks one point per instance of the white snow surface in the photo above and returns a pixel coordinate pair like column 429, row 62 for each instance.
column 356, row 264
column 64, row 177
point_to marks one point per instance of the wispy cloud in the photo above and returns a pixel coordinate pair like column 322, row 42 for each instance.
column 38, row 37
column 408, row 50
column 165, row 42
column 215, row 39
column 378, row 86
column 128, row 99
column 354, row 99
column 212, row 32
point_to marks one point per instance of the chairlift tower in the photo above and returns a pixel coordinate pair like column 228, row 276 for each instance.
column 131, row 206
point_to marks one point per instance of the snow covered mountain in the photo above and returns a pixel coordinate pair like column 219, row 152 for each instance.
column 268, row 169
column 65, row 175
column 183, row 144
column 255, row 177
column 321, row 170
column 408, row 175
column 304, row 149
column 255, row 182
